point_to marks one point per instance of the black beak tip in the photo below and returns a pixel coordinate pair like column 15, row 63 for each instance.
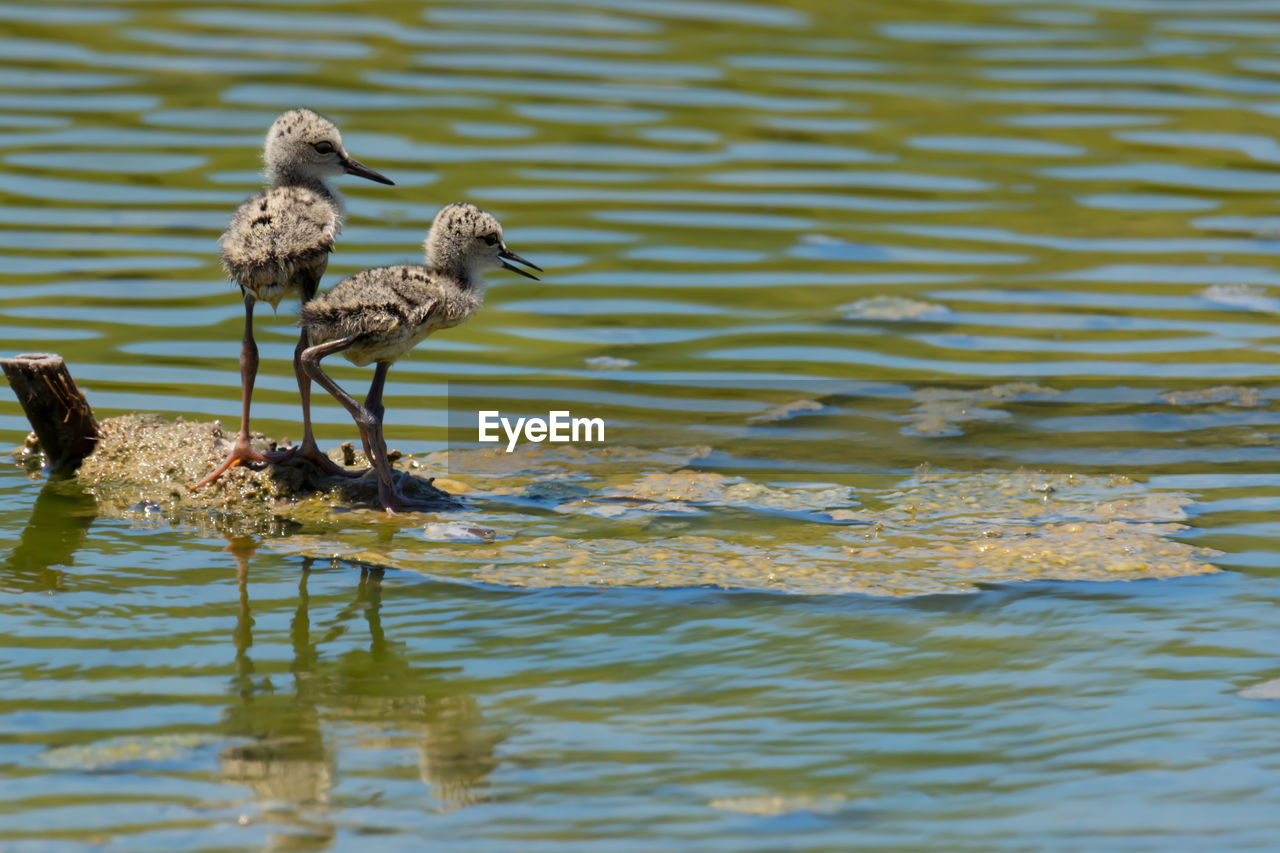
column 525, row 273
column 508, row 255
column 360, row 170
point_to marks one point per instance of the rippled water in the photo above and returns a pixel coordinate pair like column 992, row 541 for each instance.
column 735, row 198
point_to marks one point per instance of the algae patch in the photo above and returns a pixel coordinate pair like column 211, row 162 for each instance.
column 936, row 532
column 559, row 515
column 1268, row 691
column 608, row 362
column 1231, row 395
column 144, row 464
column 112, row 752
column 1243, row 297
column 892, row 308
column 786, row 411
column 777, row 806
column 940, row 411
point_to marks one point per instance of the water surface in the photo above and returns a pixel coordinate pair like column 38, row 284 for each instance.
column 1078, row 193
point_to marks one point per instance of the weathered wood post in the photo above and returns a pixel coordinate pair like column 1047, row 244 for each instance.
column 59, row 413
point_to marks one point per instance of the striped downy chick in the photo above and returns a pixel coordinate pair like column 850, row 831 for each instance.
column 278, row 243
column 378, row 315
column 388, row 310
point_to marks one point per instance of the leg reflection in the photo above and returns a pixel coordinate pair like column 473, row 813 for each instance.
column 287, row 759
column 372, row 692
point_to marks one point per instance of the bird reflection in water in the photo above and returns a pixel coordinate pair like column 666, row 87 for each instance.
column 375, row 697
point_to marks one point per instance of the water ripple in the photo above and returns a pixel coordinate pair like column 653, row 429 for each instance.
column 106, row 163
column 996, row 146
column 329, row 49
column 625, row 93
column 569, row 66
column 1173, row 175
column 827, row 242
column 47, row 13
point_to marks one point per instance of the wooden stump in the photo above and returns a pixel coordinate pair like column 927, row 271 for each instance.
column 58, row 412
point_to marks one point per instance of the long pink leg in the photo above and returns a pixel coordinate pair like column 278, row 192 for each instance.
column 373, row 402
column 241, row 452
column 388, row 492
column 370, row 425
column 309, row 450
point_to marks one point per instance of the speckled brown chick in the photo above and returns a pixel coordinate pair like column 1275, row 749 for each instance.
column 378, row 315
column 278, row 244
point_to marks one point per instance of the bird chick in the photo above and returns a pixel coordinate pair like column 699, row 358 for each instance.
column 278, row 243
column 378, row 315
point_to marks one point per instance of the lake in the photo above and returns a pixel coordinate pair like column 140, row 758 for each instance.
column 937, row 345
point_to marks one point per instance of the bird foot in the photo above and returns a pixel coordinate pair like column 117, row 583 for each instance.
column 310, row 452
column 241, row 454
column 393, row 499
column 399, row 501
column 407, row 504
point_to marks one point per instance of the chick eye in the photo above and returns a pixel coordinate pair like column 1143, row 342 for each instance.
column 491, row 239
column 323, row 147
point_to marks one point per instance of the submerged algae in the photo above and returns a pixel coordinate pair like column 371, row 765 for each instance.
column 627, row 516
column 892, row 308
column 941, row 411
column 645, row 518
column 1267, row 690
column 112, row 752
column 1231, row 395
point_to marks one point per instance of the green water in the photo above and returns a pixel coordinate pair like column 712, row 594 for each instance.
column 725, row 196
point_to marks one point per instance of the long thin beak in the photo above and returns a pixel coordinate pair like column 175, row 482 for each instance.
column 508, row 255
column 360, row 170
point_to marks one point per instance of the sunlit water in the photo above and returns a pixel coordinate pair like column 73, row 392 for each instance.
column 1081, row 194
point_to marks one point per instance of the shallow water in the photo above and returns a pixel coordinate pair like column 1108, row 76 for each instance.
column 881, row 207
